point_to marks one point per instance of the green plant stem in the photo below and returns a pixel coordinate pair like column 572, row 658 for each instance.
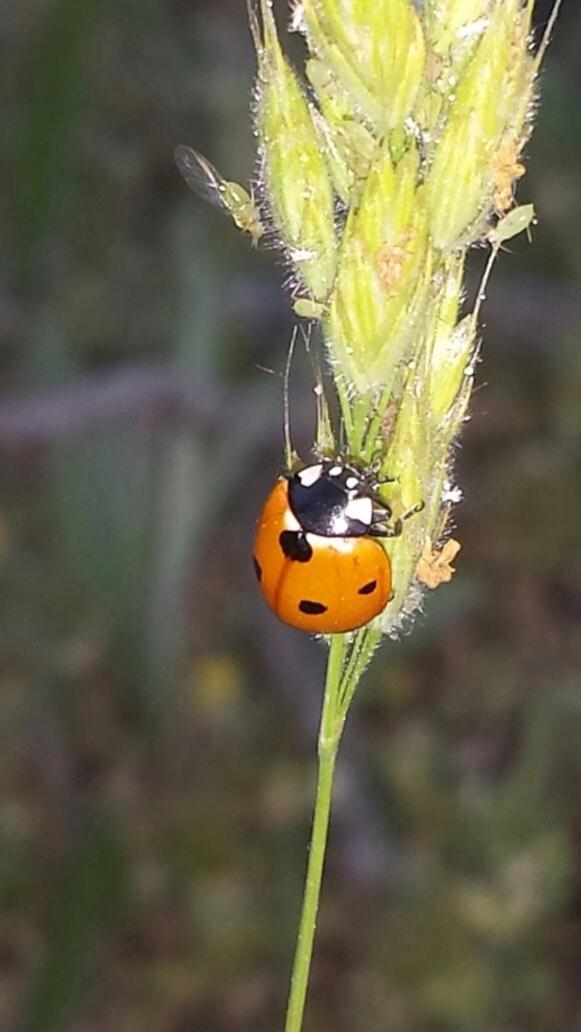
column 332, row 721
column 360, row 656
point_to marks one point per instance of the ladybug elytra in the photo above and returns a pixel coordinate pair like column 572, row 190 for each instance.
column 316, row 555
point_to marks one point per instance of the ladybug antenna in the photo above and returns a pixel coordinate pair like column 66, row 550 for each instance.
column 288, row 448
column 325, row 439
column 306, row 335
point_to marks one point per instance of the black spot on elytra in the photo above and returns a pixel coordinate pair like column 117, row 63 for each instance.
column 295, row 546
column 368, row 588
column 311, row 608
column 257, row 569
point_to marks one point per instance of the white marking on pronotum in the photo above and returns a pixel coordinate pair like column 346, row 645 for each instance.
column 351, row 483
column 309, row 475
column 360, row 509
column 335, row 471
column 290, row 521
column 340, row 525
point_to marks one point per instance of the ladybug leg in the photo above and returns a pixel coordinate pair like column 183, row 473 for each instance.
column 380, row 525
column 383, row 506
column 383, row 530
column 379, row 528
column 414, row 510
column 376, row 462
column 372, row 479
column 375, row 467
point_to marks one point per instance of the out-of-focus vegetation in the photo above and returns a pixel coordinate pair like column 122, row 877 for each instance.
column 156, row 723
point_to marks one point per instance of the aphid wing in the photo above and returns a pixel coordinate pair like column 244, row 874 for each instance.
column 200, row 175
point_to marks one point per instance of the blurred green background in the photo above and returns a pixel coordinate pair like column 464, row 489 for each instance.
column 157, row 725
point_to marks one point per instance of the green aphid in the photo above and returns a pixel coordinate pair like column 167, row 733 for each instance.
column 206, row 181
column 517, row 221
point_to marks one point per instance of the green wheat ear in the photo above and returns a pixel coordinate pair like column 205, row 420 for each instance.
column 396, row 152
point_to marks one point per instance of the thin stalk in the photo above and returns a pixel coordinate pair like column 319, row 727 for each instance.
column 356, row 646
column 547, row 33
column 329, row 736
column 367, row 645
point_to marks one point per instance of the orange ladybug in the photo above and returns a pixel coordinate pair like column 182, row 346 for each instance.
column 316, row 557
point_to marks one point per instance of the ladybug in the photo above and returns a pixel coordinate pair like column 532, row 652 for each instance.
column 316, row 555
